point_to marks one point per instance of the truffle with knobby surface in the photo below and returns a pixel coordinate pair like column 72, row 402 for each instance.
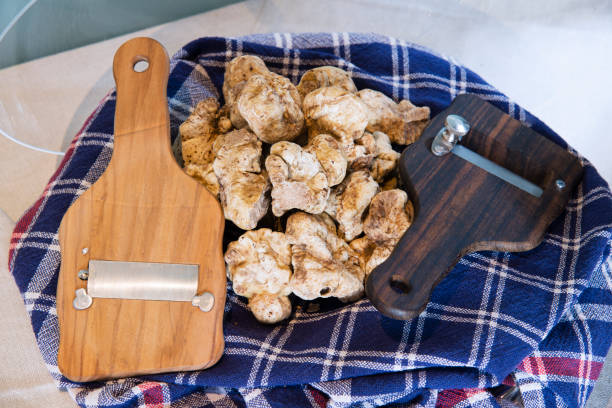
column 325, row 76
column 323, row 264
column 403, row 122
column 298, row 180
column 271, row 106
column 258, row 264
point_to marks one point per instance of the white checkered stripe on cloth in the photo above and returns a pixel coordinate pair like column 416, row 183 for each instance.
column 542, row 316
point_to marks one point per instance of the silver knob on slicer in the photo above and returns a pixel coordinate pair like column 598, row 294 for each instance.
column 455, row 127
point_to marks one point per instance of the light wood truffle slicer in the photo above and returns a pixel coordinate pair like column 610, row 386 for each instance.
column 142, row 281
column 479, row 180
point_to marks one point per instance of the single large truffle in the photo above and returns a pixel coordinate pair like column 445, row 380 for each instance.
column 237, row 72
column 271, row 105
column 298, row 180
column 237, row 151
column 349, row 200
column 388, row 217
column 243, row 186
column 402, row 122
column 323, row 264
column 244, row 198
column 322, row 77
column 198, row 135
column 335, row 111
column 329, row 153
column 258, row 266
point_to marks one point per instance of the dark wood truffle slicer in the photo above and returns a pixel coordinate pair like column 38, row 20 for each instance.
column 479, row 180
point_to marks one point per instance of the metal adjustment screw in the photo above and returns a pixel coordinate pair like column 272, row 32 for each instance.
column 205, row 301
column 455, row 127
column 82, row 299
column 560, row 184
column 83, row 274
column 84, row 251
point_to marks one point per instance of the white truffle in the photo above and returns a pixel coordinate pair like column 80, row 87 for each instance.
column 349, row 201
column 313, row 277
column 244, row 198
column 370, row 253
column 323, row 264
column 271, row 105
column 330, row 156
column 388, row 217
column 351, row 284
column 198, row 150
column 402, row 122
column 358, row 158
column 380, row 158
column 386, row 158
column 315, row 233
column 237, row 72
column 258, row 262
column 337, row 112
column 258, row 266
column 325, row 76
column 198, row 135
column 237, row 151
column 298, row 180
column 205, row 175
column 243, row 186
column 270, row 309
column 202, row 122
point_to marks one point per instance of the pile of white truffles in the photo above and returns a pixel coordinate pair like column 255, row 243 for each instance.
column 329, row 170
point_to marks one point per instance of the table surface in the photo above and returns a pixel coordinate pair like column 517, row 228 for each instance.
column 551, row 57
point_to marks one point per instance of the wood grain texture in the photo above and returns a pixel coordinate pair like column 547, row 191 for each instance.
column 143, row 208
column 460, row 208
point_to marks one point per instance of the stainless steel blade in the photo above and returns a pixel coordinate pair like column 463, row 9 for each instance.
column 497, row 170
column 142, row 280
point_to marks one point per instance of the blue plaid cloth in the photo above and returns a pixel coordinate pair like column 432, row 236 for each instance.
column 541, row 319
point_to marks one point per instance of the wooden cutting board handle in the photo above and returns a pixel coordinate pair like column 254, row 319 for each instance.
column 141, row 96
column 461, row 208
column 143, row 208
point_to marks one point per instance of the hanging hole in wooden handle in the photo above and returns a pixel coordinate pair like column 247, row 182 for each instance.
column 399, row 286
column 141, row 96
column 141, row 65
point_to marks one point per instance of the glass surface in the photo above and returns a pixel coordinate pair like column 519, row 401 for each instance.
column 51, row 26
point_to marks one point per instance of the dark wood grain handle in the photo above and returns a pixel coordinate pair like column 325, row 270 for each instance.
column 401, row 286
column 462, row 208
